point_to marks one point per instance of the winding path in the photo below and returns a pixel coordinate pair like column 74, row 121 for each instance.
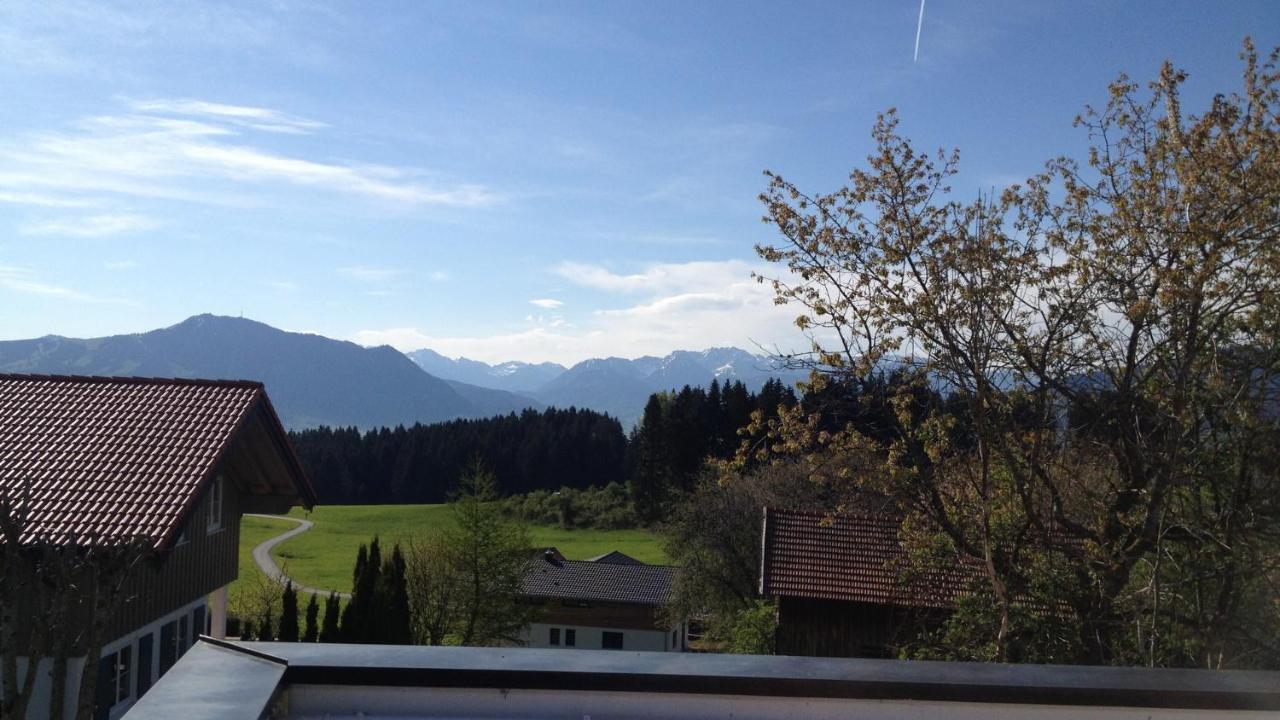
column 262, row 555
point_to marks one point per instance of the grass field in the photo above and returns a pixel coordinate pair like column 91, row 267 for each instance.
column 324, row 557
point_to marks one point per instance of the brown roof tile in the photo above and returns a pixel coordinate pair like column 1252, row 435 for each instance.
column 111, row 458
column 849, row 557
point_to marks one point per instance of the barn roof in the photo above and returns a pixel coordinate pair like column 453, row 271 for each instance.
column 549, row 577
column 852, row 557
column 104, row 458
column 614, row 557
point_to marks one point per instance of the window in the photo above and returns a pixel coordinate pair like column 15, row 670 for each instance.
column 198, row 626
column 570, row 638
column 611, row 640
column 115, row 681
column 144, row 663
column 675, row 640
column 124, row 674
column 555, row 636
column 215, row 505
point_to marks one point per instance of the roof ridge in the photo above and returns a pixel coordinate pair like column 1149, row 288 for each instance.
column 863, row 515
column 134, row 380
column 617, row 565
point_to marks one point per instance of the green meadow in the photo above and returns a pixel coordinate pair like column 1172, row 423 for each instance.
column 324, row 556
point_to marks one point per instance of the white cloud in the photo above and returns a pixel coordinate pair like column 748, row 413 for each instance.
column 40, row 200
column 547, row 303
column 690, row 306
column 120, row 264
column 24, row 281
column 369, row 274
column 91, row 226
column 252, row 117
column 662, row 278
column 201, row 157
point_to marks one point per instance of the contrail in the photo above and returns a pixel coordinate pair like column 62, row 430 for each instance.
column 919, row 24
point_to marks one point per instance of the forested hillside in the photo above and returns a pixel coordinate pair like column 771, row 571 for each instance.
column 541, row 450
column 680, row 430
column 422, row 463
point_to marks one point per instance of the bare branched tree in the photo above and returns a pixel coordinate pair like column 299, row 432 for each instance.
column 58, row 592
column 1111, row 330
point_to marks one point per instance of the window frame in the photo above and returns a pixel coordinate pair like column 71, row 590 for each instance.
column 553, row 636
column 570, row 637
column 123, row 673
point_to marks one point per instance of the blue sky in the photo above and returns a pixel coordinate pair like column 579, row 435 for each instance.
column 532, row 181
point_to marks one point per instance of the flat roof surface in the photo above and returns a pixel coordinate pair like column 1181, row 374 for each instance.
column 240, row 679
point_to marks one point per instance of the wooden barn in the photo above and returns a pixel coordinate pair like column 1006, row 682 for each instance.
column 840, row 587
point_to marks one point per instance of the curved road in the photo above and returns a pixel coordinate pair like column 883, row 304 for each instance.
column 262, row 555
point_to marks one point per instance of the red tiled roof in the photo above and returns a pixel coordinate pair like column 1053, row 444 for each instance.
column 111, row 458
column 853, row 557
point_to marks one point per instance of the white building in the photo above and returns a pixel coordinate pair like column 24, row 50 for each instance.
column 606, row 603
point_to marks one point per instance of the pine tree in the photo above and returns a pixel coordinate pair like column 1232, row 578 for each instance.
column 650, row 464
column 329, row 631
column 491, row 552
column 289, row 614
column 397, row 629
column 364, row 616
column 350, row 632
column 313, row 613
column 714, row 419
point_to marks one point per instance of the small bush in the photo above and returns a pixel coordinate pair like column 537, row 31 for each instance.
column 603, row 508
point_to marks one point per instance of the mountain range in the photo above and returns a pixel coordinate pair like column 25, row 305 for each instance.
column 312, row 380
column 315, row 380
column 614, row 385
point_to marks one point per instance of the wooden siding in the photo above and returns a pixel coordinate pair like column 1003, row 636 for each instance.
column 206, row 562
column 834, row 628
column 620, row 616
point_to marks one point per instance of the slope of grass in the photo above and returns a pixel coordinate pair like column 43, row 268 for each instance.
column 325, row 556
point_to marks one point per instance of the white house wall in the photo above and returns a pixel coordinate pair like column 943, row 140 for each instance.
column 591, row 638
column 318, row 702
column 38, row 708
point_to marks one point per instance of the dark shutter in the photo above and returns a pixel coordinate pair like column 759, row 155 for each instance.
column 570, row 638
column 555, row 636
column 611, row 640
column 168, row 647
column 104, row 696
column 144, row 663
column 197, row 623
